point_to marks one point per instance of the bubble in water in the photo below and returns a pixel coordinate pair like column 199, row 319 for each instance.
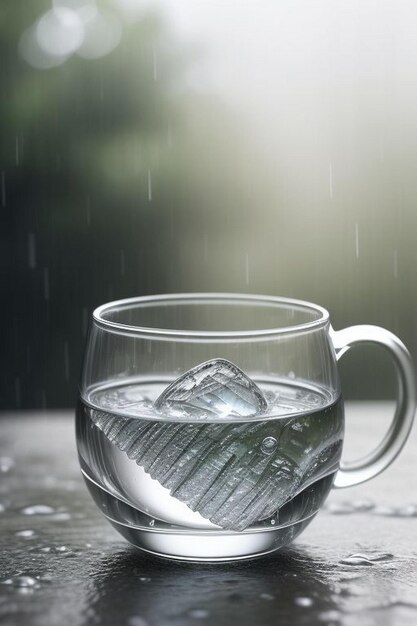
column 268, row 445
column 152, row 522
column 25, row 533
column 302, row 601
column 38, row 509
column 199, row 613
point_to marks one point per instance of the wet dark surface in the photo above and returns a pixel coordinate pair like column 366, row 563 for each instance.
column 62, row 563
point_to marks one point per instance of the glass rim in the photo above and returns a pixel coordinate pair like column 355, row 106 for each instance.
column 192, row 297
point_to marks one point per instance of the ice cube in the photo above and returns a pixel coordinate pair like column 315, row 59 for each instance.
column 214, row 388
column 233, row 473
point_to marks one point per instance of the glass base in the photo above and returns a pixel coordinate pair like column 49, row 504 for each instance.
column 198, row 544
column 210, row 546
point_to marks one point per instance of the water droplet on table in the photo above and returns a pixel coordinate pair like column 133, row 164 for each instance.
column 38, row 509
column 367, row 559
column 26, row 534
column 409, row 510
column 363, row 505
column 329, row 616
column 136, row 620
column 303, row 601
column 340, row 508
column 267, row 596
column 21, row 582
column 199, row 613
column 385, row 511
column 61, row 549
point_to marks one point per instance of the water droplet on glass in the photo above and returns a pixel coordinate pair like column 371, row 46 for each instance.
column 199, row 613
column 268, row 445
column 301, row 601
column 38, row 509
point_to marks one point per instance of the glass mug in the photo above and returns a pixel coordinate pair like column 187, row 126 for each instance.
column 210, row 426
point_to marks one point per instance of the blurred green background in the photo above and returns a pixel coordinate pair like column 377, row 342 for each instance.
column 167, row 146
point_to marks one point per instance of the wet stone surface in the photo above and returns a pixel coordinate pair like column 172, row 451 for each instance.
column 62, row 563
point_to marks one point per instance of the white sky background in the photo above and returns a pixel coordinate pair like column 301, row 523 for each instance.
column 304, row 74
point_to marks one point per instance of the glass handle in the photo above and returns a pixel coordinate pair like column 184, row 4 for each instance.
column 375, row 462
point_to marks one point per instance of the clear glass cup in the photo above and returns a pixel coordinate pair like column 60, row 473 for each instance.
column 210, row 426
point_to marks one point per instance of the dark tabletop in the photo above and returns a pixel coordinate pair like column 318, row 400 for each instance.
column 79, row 571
